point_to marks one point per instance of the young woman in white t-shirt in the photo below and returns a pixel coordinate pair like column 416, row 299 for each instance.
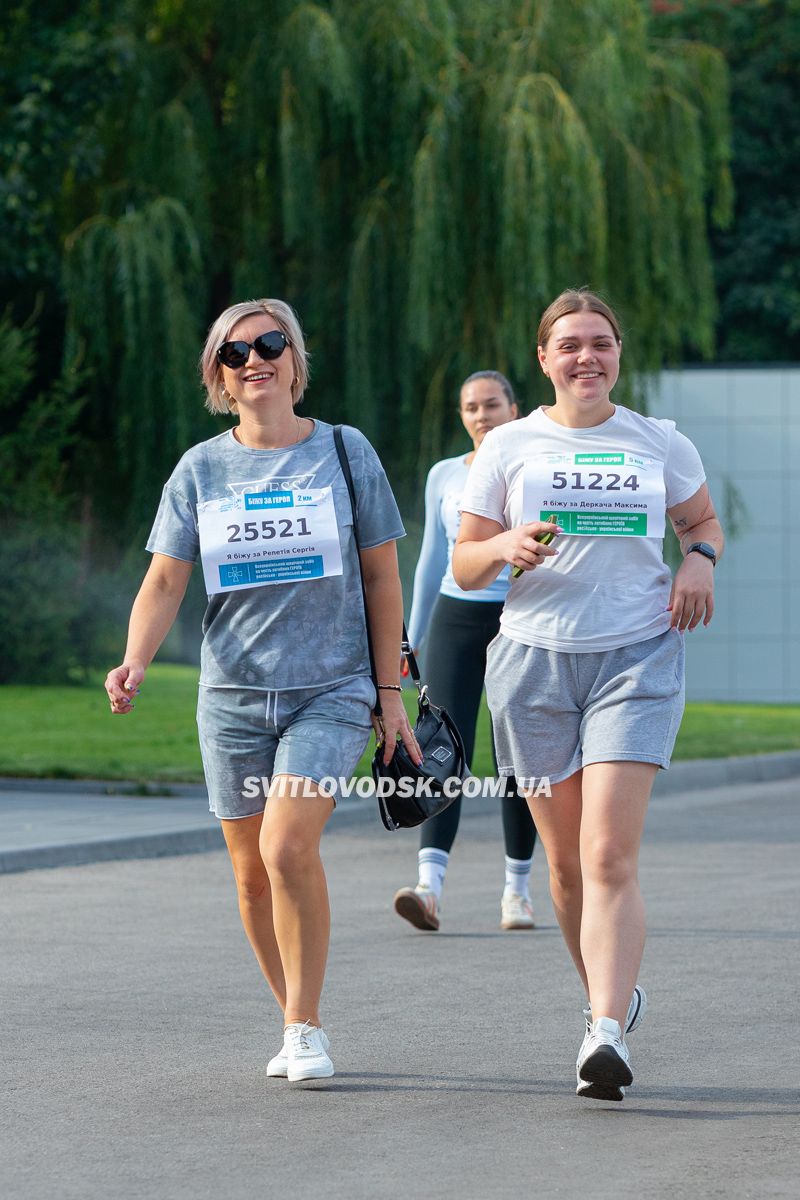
column 585, row 679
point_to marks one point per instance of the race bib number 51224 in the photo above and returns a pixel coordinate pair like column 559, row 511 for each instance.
column 268, row 537
column 610, row 494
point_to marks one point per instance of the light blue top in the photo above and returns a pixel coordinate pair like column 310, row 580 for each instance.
column 293, row 634
column 434, row 574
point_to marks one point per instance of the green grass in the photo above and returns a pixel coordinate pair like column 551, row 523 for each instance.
column 68, row 732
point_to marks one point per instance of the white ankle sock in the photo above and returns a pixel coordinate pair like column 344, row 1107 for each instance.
column 432, row 868
column 518, row 873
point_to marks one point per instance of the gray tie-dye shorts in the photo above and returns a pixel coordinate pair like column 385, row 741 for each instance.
column 249, row 736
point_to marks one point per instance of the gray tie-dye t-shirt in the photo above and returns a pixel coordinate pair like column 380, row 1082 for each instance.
column 296, row 634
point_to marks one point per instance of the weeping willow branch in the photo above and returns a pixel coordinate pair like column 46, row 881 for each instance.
column 368, row 308
column 133, row 285
column 552, row 214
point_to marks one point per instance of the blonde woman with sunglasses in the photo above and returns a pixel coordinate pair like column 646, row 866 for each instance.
column 286, row 696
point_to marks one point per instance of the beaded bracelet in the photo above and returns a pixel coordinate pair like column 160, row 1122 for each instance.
column 389, row 687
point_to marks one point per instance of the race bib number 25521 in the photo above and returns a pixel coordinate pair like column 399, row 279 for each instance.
column 261, row 538
column 611, row 494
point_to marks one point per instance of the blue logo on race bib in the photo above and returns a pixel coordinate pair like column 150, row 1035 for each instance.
column 269, row 500
column 280, row 570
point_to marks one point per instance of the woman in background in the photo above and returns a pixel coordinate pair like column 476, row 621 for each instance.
column 459, row 626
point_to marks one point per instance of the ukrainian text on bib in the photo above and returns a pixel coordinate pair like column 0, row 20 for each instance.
column 609, row 494
column 268, row 537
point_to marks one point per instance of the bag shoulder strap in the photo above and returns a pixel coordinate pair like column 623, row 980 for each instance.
column 348, row 478
column 405, row 648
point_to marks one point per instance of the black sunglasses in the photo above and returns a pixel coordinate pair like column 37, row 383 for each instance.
column 267, row 346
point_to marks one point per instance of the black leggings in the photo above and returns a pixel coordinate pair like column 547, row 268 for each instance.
column 455, row 663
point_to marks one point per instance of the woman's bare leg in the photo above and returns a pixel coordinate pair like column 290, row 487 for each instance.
column 255, row 899
column 615, row 798
column 558, row 822
column 294, row 818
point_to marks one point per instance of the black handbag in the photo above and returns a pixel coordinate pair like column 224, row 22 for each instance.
column 409, row 794
column 416, row 793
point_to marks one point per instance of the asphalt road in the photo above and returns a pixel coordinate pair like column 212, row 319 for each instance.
column 135, row 1029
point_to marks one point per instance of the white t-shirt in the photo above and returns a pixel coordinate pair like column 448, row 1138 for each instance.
column 599, row 592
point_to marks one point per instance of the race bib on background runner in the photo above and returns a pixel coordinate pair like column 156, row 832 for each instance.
column 602, row 494
column 268, row 537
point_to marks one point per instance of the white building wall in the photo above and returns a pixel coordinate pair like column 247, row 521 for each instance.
column 746, row 424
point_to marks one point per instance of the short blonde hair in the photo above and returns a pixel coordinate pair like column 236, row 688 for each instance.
column 284, row 316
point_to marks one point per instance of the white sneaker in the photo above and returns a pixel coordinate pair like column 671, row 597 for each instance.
column 603, row 1067
column 278, row 1067
column 306, row 1053
column 419, row 905
column 516, row 912
column 636, row 1010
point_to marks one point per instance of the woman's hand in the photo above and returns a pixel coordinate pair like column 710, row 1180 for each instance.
column 393, row 724
column 122, row 684
column 692, row 597
column 153, row 612
column 385, row 616
column 519, row 548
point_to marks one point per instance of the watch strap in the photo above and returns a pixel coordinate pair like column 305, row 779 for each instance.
column 704, row 549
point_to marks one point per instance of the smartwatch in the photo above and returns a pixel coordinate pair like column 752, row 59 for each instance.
column 704, row 549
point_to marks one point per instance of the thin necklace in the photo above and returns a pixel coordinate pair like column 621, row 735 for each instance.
column 237, row 433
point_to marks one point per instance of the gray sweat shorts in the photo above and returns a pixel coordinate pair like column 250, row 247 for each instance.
column 554, row 713
column 248, row 736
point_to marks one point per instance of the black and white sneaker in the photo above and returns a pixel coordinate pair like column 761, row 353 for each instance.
column 636, row 1010
column 603, row 1068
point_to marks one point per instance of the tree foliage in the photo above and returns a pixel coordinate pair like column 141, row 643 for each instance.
column 418, row 178
column 757, row 257
column 55, row 604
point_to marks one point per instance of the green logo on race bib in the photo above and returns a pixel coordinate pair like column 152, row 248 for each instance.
column 600, row 459
column 602, row 524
